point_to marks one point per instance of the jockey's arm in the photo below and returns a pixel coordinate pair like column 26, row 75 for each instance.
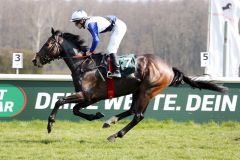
column 93, row 29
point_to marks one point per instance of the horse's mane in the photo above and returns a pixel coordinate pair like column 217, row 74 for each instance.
column 76, row 40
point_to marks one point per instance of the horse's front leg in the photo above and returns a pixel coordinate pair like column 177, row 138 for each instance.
column 75, row 98
column 89, row 117
column 51, row 118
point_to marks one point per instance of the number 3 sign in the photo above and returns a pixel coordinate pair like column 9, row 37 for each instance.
column 17, row 61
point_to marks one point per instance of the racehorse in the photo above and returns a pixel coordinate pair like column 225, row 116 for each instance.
column 152, row 75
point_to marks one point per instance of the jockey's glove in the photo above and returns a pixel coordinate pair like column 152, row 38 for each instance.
column 89, row 53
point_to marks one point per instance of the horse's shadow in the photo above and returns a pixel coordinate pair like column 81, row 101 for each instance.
column 42, row 141
column 237, row 139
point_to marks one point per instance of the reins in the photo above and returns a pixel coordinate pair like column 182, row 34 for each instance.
column 76, row 57
column 58, row 44
column 91, row 59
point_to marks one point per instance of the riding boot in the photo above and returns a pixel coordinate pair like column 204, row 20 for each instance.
column 115, row 66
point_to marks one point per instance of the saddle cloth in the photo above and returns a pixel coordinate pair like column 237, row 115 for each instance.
column 127, row 63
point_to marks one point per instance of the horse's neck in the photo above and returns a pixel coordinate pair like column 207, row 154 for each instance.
column 69, row 51
column 72, row 65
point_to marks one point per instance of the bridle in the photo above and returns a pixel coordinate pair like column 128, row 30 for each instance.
column 55, row 45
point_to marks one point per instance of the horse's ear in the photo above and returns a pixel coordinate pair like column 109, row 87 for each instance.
column 52, row 30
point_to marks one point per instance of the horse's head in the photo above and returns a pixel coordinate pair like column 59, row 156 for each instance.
column 59, row 45
column 50, row 50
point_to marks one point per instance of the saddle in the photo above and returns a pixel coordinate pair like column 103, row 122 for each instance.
column 101, row 62
column 126, row 62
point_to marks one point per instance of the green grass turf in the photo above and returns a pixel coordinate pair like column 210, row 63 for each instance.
column 149, row 140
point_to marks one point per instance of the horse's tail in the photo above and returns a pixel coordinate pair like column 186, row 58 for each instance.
column 180, row 78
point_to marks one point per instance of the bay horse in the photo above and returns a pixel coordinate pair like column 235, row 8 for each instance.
column 152, row 75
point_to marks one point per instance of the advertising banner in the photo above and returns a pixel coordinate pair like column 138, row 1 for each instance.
column 30, row 100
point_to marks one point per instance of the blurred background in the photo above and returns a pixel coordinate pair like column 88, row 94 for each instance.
column 176, row 30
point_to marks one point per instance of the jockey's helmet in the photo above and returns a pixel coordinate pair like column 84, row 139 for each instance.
column 78, row 15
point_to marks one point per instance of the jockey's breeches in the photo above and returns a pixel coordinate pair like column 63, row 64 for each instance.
column 118, row 33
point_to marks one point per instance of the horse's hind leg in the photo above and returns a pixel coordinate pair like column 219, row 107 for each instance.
column 137, row 118
column 142, row 99
column 120, row 116
column 116, row 118
column 138, row 109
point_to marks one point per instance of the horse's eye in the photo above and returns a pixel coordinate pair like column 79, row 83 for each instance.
column 52, row 42
column 48, row 45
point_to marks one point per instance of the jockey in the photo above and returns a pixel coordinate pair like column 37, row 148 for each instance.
column 97, row 25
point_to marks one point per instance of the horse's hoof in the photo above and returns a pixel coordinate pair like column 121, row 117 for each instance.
column 105, row 125
column 99, row 115
column 111, row 138
column 49, row 127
